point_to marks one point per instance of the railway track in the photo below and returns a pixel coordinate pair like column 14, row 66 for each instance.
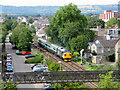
column 68, row 66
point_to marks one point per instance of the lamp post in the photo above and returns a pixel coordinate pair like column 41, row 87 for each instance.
column 60, row 64
column 81, row 52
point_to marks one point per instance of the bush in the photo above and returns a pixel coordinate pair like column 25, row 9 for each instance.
column 111, row 57
column 37, row 59
column 53, row 66
column 79, row 59
column 94, row 53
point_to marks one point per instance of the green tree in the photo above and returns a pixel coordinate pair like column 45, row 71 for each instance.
column 32, row 29
column 24, row 40
column 8, row 24
column 112, row 22
column 106, row 81
column 14, row 25
column 93, row 22
column 30, row 20
column 81, row 42
column 66, row 24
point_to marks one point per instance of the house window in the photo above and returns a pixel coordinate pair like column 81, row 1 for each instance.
column 108, row 49
column 93, row 47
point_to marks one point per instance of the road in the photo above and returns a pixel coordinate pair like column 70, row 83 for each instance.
column 20, row 66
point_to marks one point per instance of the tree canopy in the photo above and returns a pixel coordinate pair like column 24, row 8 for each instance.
column 112, row 22
column 93, row 22
column 21, row 37
column 67, row 23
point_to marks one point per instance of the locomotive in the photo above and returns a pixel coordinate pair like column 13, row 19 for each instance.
column 60, row 51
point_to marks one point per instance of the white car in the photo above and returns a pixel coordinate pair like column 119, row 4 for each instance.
column 39, row 68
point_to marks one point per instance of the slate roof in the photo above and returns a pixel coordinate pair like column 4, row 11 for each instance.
column 108, row 43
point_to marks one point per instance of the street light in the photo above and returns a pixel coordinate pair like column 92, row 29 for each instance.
column 60, row 64
column 81, row 52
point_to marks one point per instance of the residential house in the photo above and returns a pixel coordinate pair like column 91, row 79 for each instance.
column 117, row 50
column 2, row 19
column 41, row 33
column 103, row 47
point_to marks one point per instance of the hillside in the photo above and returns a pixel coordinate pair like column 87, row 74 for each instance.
column 50, row 10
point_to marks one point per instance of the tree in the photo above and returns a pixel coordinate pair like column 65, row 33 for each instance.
column 67, row 23
column 112, row 22
column 30, row 21
column 106, row 81
column 14, row 25
column 24, row 40
column 15, row 33
column 93, row 22
column 81, row 42
column 8, row 24
column 32, row 29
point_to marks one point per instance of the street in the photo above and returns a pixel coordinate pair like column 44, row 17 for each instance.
column 20, row 66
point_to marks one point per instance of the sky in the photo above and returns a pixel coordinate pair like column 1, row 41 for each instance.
column 56, row 2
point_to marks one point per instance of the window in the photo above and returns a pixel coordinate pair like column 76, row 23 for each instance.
column 64, row 54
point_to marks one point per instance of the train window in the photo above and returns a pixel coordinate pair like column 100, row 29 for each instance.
column 64, row 54
column 70, row 54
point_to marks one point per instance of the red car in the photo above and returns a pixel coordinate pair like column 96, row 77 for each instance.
column 26, row 53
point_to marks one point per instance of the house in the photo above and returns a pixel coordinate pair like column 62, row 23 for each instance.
column 112, row 34
column 2, row 19
column 117, row 50
column 41, row 33
column 103, row 47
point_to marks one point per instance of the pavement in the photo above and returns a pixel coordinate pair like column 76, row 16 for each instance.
column 20, row 66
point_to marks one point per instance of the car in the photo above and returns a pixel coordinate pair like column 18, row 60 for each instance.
column 9, row 56
column 34, row 66
column 39, row 68
column 29, row 56
column 9, row 68
column 9, row 59
column 26, row 53
column 47, row 86
column 17, row 51
column 7, row 63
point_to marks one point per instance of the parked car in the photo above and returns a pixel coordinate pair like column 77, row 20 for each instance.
column 29, row 56
column 17, row 51
column 9, row 68
column 39, row 68
column 47, row 86
column 34, row 66
column 9, row 56
column 9, row 59
column 7, row 63
column 26, row 53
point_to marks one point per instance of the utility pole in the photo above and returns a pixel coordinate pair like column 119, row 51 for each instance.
column 81, row 53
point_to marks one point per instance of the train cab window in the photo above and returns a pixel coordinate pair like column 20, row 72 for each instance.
column 64, row 54
column 70, row 54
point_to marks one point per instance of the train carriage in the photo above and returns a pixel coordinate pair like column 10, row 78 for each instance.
column 60, row 51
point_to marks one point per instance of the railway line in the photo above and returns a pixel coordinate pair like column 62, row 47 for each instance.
column 68, row 66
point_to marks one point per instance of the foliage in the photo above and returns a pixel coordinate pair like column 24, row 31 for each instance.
column 4, row 34
column 93, row 22
column 94, row 53
column 25, row 40
column 106, row 81
column 14, row 25
column 111, row 57
column 112, row 22
column 32, row 29
column 69, row 85
column 30, row 20
column 53, row 66
column 106, row 66
column 1, row 84
column 21, row 37
column 76, row 54
column 8, row 24
column 79, row 60
column 10, row 85
column 66, row 25
column 37, row 59
column 81, row 42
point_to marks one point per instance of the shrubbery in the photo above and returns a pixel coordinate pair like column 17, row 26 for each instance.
column 37, row 59
column 53, row 66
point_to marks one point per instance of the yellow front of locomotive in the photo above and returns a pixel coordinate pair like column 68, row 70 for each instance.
column 67, row 56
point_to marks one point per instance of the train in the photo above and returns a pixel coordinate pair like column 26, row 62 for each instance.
column 58, row 50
